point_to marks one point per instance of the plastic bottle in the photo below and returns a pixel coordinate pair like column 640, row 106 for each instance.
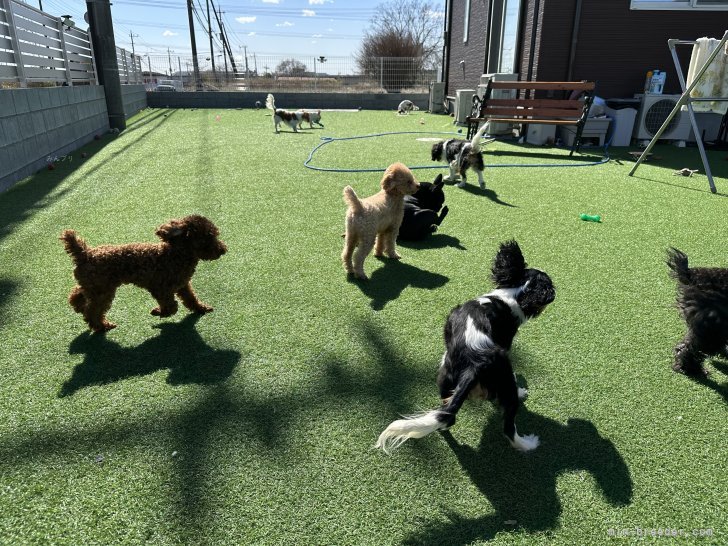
column 648, row 81
column 590, row 217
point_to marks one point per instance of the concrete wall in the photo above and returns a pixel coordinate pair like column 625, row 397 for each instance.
column 289, row 101
column 134, row 98
column 44, row 122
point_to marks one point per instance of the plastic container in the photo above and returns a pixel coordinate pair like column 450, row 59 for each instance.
column 658, row 82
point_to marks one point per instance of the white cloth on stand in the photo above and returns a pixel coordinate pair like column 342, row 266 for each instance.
column 714, row 82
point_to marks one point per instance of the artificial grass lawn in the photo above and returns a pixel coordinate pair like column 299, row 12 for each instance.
column 255, row 424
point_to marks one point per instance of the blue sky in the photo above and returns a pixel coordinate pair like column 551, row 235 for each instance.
column 266, row 27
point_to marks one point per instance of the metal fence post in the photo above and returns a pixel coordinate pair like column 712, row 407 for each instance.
column 381, row 72
column 64, row 52
column 19, row 68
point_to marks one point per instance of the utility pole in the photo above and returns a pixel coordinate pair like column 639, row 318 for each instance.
column 133, row 56
column 169, row 58
column 101, row 30
column 209, row 33
column 226, row 45
column 193, row 42
column 247, row 72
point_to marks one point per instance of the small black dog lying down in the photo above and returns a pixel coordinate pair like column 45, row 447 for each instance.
column 703, row 302
column 478, row 336
column 421, row 209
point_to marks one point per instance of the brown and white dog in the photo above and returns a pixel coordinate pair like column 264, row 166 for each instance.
column 282, row 116
column 309, row 116
column 293, row 119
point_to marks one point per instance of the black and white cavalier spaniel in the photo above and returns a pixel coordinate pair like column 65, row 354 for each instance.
column 476, row 363
column 703, row 302
column 461, row 155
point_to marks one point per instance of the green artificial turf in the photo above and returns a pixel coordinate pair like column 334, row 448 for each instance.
column 255, row 424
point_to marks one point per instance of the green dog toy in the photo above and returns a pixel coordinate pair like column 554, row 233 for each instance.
column 591, row 217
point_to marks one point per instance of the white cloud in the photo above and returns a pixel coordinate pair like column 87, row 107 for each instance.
column 170, row 33
column 308, row 13
column 284, row 24
column 317, row 36
column 330, row 29
column 271, row 1
column 251, row 33
column 319, row 2
column 436, row 14
column 243, row 20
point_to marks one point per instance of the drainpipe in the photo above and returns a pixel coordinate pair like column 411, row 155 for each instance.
column 447, row 45
column 574, row 39
column 534, row 31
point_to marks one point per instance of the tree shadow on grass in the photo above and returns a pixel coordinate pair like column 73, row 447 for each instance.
column 178, row 348
column 521, row 487
column 390, row 280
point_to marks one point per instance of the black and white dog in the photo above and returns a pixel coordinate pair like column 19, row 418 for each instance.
column 703, row 302
column 421, row 210
column 461, row 155
column 478, row 337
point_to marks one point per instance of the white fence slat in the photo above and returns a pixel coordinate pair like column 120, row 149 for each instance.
column 39, row 50
column 42, row 61
column 5, row 43
column 3, row 17
column 28, row 12
column 45, row 74
column 8, row 72
column 8, row 6
column 77, row 49
column 37, row 38
column 71, row 39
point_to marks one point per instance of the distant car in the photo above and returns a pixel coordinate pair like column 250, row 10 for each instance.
column 166, row 87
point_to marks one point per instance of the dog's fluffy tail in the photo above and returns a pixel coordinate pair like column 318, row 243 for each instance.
column 352, row 200
column 678, row 263
column 270, row 102
column 75, row 246
column 420, row 425
column 475, row 143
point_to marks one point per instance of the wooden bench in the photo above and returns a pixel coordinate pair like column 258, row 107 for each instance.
column 568, row 109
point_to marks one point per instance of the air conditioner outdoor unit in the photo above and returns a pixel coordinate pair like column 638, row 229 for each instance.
column 437, row 97
column 463, row 105
column 653, row 111
column 498, row 128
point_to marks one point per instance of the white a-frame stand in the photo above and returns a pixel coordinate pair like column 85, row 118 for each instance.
column 685, row 98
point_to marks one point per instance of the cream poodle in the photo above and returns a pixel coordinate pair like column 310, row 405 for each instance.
column 374, row 222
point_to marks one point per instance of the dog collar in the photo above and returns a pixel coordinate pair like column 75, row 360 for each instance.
column 507, row 296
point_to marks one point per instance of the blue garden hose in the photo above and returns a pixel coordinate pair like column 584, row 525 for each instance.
column 327, row 140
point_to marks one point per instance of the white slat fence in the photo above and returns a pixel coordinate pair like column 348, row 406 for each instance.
column 38, row 47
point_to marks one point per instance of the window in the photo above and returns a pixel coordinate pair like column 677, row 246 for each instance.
column 706, row 5
column 509, row 37
column 466, row 27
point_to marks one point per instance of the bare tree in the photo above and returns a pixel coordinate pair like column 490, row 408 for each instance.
column 291, row 67
column 401, row 28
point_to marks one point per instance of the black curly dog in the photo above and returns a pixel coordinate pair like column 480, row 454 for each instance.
column 703, row 302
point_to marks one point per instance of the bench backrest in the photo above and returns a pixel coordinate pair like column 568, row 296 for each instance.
column 542, row 108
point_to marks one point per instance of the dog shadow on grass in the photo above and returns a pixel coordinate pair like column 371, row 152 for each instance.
column 521, row 487
column 436, row 240
column 711, row 381
column 178, row 347
column 389, row 281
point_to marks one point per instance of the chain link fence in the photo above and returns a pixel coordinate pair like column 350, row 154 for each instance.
column 289, row 73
